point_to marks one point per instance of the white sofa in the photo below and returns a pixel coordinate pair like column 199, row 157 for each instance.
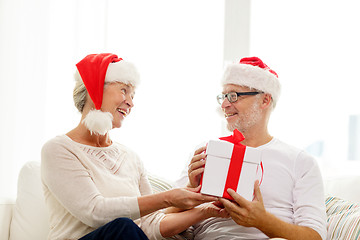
column 27, row 217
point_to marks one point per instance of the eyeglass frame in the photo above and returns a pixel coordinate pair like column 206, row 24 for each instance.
column 222, row 96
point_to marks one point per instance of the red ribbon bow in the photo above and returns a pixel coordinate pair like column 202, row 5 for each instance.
column 235, row 138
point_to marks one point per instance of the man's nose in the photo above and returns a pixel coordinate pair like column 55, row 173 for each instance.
column 225, row 103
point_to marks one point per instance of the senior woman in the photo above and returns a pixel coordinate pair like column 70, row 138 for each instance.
column 93, row 186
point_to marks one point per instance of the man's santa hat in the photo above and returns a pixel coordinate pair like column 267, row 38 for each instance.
column 95, row 70
column 254, row 73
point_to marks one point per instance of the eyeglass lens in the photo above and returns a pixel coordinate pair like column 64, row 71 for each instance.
column 231, row 96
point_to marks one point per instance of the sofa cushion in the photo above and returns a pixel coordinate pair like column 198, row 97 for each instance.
column 343, row 218
column 30, row 216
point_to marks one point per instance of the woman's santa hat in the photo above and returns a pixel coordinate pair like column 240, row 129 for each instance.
column 254, row 73
column 95, row 70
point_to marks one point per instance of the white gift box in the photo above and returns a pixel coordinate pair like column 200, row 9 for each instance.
column 216, row 170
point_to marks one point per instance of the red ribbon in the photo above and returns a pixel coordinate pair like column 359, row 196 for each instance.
column 236, row 162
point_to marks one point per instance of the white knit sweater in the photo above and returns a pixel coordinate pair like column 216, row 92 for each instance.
column 86, row 187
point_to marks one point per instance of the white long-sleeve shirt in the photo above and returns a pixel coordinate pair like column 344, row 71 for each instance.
column 292, row 190
column 86, row 187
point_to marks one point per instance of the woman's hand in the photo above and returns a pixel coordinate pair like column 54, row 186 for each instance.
column 196, row 167
column 214, row 209
column 175, row 223
column 187, row 198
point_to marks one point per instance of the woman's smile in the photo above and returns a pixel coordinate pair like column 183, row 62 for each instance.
column 122, row 112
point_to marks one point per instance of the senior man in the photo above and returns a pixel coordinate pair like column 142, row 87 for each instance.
column 289, row 203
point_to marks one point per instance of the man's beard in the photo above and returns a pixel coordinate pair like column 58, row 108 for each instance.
column 246, row 120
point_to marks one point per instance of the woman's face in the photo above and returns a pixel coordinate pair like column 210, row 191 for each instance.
column 117, row 99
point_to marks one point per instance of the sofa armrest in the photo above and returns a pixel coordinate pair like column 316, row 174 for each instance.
column 6, row 211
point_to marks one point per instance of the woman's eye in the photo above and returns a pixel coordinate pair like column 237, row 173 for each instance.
column 123, row 91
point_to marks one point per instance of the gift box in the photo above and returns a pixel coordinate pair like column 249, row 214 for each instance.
column 229, row 164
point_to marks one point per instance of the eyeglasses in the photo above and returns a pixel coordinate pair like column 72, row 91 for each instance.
column 233, row 96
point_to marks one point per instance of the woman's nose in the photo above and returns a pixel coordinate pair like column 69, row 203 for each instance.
column 129, row 101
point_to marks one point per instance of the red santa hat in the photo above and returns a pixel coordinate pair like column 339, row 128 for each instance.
column 253, row 72
column 95, row 70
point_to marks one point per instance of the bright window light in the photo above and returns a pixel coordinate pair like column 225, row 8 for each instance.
column 314, row 47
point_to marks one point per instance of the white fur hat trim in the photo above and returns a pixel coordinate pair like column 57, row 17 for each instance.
column 98, row 122
column 124, row 72
column 254, row 77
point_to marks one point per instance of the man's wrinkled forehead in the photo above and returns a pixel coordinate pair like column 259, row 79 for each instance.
column 234, row 88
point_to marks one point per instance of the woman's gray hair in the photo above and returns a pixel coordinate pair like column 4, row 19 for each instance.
column 79, row 93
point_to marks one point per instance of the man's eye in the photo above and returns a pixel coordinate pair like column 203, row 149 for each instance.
column 123, row 91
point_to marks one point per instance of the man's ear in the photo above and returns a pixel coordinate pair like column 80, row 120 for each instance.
column 266, row 100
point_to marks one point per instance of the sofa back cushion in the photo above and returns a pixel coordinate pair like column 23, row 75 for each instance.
column 30, row 216
column 340, row 186
column 159, row 184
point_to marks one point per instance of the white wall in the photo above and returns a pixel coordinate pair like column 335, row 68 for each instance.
column 177, row 46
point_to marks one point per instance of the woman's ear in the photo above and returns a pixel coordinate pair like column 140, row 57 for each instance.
column 89, row 104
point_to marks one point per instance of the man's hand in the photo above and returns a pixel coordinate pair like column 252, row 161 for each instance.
column 196, row 167
column 244, row 212
column 253, row 214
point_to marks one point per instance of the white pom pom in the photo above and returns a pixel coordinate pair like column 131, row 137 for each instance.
column 98, row 122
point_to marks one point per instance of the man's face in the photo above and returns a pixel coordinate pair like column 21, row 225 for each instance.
column 243, row 114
